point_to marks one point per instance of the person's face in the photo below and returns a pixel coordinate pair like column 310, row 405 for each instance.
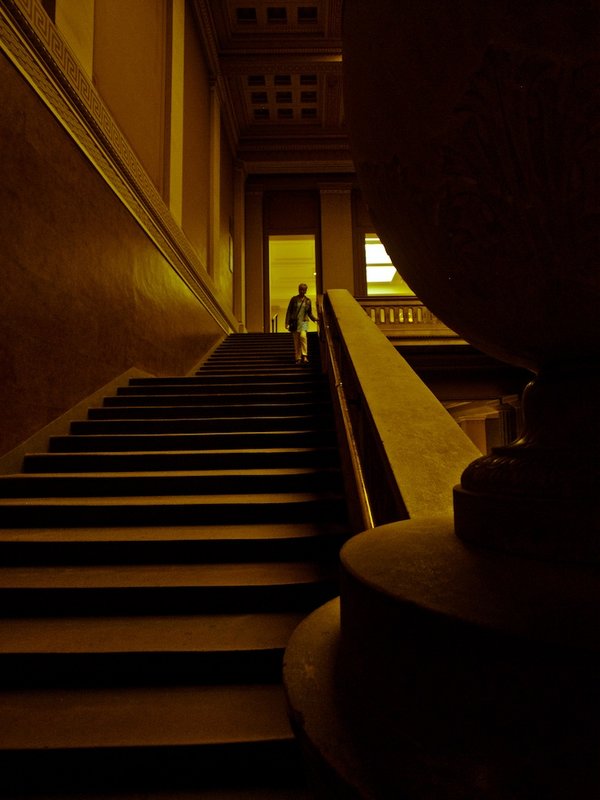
column 302, row 289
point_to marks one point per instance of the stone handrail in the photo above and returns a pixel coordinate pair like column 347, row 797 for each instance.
column 412, row 453
column 360, row 516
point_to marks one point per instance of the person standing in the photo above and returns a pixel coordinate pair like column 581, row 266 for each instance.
column 299, row 311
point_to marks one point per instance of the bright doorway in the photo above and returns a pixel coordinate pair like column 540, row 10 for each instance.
column 292, row 260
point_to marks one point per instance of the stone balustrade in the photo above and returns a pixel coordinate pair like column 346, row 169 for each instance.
column 402, row 317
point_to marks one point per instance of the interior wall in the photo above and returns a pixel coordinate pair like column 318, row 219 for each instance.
column 86, row 294
column 196, row 142
column 75, row 21
column 130, row 73
column 224, row 268
column 292, row 211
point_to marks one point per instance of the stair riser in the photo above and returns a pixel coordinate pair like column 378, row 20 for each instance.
column 45, row 670
column 285, row 357
column 146, row 462
column 64, row 553
column 290, row 377
column 161, row 484
column 132, row 601
column 200, row 441
column 211, row 398
column 302, row 382
column 213, row 411
column 147, row 769
column 230, row 425
column 23, row 515
column 202, row 378
column 286, row 367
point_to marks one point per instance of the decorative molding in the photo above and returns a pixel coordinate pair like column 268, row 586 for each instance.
column 270, row 63
column 206, row 27
column 34, row 45
column 299, row 167
column 308, row 144
column 335, row 188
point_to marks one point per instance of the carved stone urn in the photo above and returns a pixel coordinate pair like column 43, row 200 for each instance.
column 466, row 667
column 475, row 130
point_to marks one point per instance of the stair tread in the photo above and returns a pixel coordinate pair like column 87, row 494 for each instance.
column 174, row 500
column 148, row 634
column 260, row 387
column 232, row 451
column 196, row 437
column 240, row 406
column 200, row 424
column 225, row 375
column 50, row 719
column 252, row 792
column 131, row 576
column 163, row 533
column 154, row 476
column 243, row 393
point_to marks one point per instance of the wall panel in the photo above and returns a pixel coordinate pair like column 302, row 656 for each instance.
column 196, row 144
column 130, row 74
column 85, row 292
column 224, row 277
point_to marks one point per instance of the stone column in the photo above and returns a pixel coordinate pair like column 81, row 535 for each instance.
column 239, row 260
column 214, row 208
column 174, row 154
column 337, row 270
column 254, row 260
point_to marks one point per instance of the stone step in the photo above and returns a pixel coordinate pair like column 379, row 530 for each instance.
column 208, row 397
column 289, row 541
column 305, row 371
column 150, row 717
column 46, row 651
column 181, row 460
column 175, row 482
column 201, row 425
column 235, row 440
column 274, row 389
column 291, row 376
column 142, row 589
column 234, row 509
column 216, row 410
column 170, row 737
column 258, row 790
column 238, row 361
column 255, row 345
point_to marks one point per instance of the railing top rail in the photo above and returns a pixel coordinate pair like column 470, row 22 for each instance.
column 362, row 497
column 425, row 449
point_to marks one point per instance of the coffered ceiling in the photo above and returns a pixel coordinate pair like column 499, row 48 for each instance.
column 278, row 67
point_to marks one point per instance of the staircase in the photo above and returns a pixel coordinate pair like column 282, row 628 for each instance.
column 154, row 563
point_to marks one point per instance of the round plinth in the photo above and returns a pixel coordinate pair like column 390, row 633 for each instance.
column 458, row 673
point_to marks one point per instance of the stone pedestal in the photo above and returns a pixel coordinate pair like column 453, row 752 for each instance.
column 456, row 673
